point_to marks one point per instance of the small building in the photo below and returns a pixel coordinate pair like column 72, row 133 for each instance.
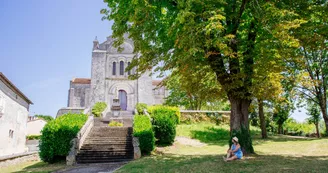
column 35, row 125
column 14, row 107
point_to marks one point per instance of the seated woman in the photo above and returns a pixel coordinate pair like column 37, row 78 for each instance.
column 234, row 152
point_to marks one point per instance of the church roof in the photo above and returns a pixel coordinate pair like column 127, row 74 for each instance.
column 156, row 82
column 81, row 80
column 9, row 84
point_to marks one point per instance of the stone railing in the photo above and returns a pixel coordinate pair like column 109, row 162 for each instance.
column 78, row 141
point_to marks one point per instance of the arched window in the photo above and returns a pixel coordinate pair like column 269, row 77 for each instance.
column 114, row 68
column 121, row 68
column 129, row 72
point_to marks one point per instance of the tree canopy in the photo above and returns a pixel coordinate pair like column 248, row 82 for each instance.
column 236, row 38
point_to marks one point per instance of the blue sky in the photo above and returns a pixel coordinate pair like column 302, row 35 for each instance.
column 44, row 44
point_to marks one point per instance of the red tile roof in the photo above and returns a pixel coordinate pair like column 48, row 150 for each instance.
column 81, row 81
column 156, row 82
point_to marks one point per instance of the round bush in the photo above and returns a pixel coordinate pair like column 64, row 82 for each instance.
column 172, row 112
column 142, row 129
column 164, row 128
column 55, row 142
column 98, row 108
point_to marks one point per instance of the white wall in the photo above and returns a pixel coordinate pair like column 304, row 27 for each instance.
column 14, row 118
column 34, row 127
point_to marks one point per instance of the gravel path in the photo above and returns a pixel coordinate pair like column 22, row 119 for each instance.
column 93, row 168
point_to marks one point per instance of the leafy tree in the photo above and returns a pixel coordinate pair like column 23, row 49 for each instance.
column 233, row 37
column 281, row 113
column 312, row 64
column 192, row 88
column 45, row 117
column 268, row 87
column 314, row 112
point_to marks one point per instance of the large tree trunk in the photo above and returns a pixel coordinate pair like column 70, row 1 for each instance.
column 324, row 114
column 317, row 128
column 280, row 130
column 239, row 125
column 262, row 119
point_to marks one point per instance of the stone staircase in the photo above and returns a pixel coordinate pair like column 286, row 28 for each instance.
column 107, row 144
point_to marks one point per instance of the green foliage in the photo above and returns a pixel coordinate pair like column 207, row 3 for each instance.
column 115, row 124
column 314, row 113
column 33, row 137
column 235, row 39
column 142, row 129
column 57, row 135
column 164, row 128
column 140, row 107
column 192, row 88
column 45, row 117
column 195, row 117
column 171, row 112
column 98, row 108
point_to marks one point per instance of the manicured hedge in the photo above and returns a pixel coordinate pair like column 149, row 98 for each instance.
column 142, row 129
column 164, row 127
column 98, row 108
column 140, row 107
column 172, row 112
column 55, row 142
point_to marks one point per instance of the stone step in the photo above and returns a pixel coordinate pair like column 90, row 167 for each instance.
column 105, row 154
column 116, row 152
column 88, row 143
column 104, row 157
column 104, row 160
column 104, row 148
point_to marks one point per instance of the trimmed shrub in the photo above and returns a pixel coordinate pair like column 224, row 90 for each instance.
column 142, row 129
column 172, row 112
column 164, row 128
column 140, row 107
column 98, row 108
column 33, row 137
column 115, row 124
column 55, row 142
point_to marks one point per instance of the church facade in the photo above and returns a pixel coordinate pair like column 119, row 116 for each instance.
column 109, row 80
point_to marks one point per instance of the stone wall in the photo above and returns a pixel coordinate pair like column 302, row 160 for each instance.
column 98, row 73
column 14, row 112
column 78, row 95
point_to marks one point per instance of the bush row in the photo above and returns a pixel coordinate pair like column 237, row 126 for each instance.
column 55, row 142
column 142, row 129
column 161, row 126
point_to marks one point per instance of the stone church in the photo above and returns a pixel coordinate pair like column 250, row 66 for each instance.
column 109, row 80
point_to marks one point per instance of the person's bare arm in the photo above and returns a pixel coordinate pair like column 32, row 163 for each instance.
column 236, row 149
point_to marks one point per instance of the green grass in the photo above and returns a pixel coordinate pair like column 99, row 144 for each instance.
column 276, row 154
column 33, row 167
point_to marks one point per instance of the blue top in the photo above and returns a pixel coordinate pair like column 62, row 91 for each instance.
column 238, row 153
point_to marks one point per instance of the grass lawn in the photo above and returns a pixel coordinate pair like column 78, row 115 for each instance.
column 34, row 166
column 276, row 154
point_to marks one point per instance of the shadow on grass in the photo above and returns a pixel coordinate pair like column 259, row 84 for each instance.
column 43, row 167
column 284, row 138
column 218, row 136
column 215, row 163
column 212, row 136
